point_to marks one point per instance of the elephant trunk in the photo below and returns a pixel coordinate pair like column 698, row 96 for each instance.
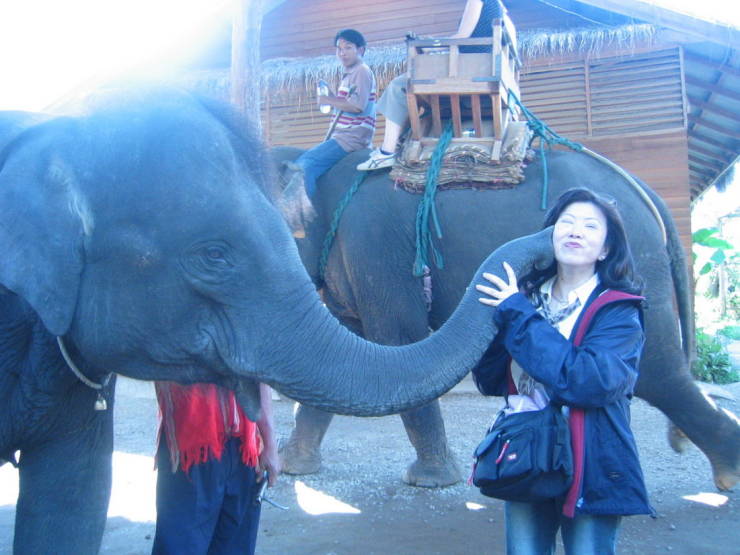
column 328, row 367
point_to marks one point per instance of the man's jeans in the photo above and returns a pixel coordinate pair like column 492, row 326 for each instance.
column 317, row 161
column 531, row 529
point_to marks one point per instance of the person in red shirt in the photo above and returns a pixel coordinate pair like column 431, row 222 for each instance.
column 210, row 461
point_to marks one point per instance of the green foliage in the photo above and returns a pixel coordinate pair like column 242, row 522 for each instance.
column 712, row 361
column 730, row 332
column 705, row 237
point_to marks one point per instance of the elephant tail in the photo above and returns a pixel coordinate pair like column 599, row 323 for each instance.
column 680, row 274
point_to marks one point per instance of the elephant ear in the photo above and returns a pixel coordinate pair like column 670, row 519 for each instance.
column 43, row 220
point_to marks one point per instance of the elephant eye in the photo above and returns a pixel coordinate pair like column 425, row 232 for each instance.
column 215, row 253
column 214, row 256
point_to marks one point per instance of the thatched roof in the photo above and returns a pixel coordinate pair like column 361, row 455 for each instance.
column 299, row 75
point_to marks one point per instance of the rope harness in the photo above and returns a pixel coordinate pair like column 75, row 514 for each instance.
column 336, row 218
column 428, row 209
column 548, row 137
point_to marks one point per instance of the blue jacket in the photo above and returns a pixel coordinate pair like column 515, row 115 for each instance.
column 598, row 376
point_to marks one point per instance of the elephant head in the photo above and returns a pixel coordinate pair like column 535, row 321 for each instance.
column 144, row 232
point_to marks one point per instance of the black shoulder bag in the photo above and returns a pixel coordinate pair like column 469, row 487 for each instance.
column 525, row 456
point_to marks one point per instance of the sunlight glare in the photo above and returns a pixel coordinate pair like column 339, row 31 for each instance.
column 134, row 488
column 50, row 47
column 315, row 502
column 711, row 499
column 8, row 484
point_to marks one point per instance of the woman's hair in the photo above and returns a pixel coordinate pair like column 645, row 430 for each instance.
column 617, row 270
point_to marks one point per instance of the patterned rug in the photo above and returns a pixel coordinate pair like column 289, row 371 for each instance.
column 466, row 165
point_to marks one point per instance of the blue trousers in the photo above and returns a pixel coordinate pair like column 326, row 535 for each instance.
column 317, row 161
column 531, row 529
column 209, row 510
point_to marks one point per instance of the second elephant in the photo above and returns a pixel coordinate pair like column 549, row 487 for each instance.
column 369, row 286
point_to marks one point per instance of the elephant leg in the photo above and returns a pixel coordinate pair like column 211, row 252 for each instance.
column 302, row 453
column 667, row 384
column 435, row 466
column 65, row 486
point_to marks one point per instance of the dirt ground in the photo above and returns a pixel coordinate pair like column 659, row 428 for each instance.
column 357, row 504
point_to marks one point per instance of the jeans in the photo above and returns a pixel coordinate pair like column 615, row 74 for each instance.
column 531, row 529
column 317, row 161
column 211, row 509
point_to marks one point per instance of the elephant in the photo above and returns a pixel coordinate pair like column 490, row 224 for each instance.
column 141, row 236
column 368, row 284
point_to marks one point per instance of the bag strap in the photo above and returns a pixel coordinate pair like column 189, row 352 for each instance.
column 576, row 419
column 605, row 298
column 608, row 296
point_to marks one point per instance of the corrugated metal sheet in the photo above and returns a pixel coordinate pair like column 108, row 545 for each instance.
column 713, row 93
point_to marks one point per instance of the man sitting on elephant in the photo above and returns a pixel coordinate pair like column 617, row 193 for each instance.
column 353, row 125
column 476, row 20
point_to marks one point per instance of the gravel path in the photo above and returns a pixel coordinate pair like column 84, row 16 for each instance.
column 357, row 504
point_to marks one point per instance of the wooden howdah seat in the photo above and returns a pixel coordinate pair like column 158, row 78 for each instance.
column 461, row 85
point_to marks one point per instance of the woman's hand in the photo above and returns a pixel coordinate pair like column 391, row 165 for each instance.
column 502, row 290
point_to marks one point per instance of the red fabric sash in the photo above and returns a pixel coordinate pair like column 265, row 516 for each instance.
column 576, row 420
column 198, row 419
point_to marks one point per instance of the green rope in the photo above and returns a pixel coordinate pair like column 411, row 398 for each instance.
column 548, row 137
column 427, row 208
column 329, row 239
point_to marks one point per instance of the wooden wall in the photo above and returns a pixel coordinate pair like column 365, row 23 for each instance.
column 661, row 161
column 613, row 95
column 298, row 28
column 307, row 27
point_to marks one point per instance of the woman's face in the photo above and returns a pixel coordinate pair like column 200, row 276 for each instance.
column 579, row 236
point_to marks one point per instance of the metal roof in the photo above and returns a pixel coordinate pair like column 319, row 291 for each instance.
column 712, row 80
column 711, row 69
column 712, row 75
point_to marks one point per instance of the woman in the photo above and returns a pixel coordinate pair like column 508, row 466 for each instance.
column 476, row 21
column 534, row 360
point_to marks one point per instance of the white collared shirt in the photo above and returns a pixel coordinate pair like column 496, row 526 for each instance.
column 538, row 398
column 582, row 293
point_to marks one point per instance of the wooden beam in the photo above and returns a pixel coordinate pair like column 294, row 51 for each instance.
column 718, row 33
column 246, row 76
column 710, row 154
column 717, row 66
column 735, row 95
column 702, row 172
column 711, row 125
column 456, row 119
column 706, row 163
column 714, row 109
column 727, row 149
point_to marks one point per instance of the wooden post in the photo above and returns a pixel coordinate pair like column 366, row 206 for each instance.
column 246, row 77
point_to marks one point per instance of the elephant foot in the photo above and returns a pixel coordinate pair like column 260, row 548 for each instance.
column 437, row 473
column 299, row 460
column 725, row 476
column 678, row 440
